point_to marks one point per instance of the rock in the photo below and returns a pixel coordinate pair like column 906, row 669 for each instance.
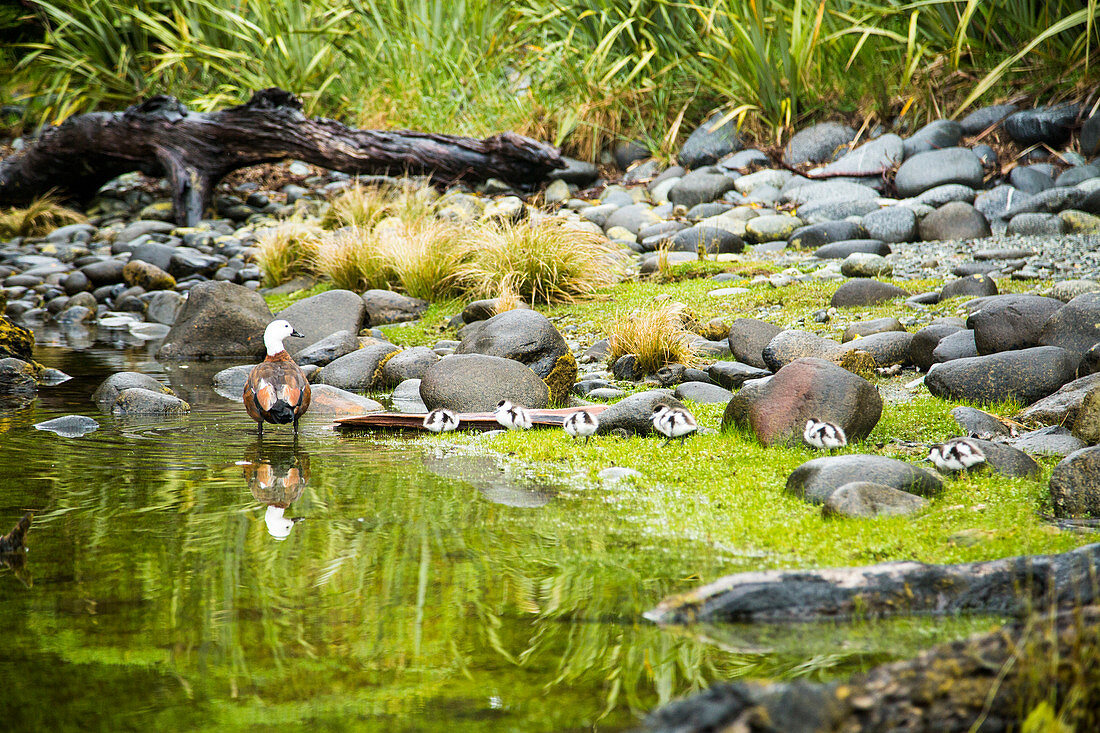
column 862, row 499
column 359, row 370
column 328, row 349
column 972, row 286
column 865, row 264
column 698, row 187
column 870, row 159
column 847, row 247
column 332, row 402
column 1075, row 484
column 1061, row 407
column 229, row 383
column 1007, row 322
column 887, row 348
column 1026, row 375
column 69, row 426
column 406, row 397
column 633, row 218
column 1037, row 225
column 956, row 220
column 818, row 235
column 1079, row 222
column 946, row 194
column 891, row 224
column 148, row 276
column 1007, row 460
column 747, row 339
column 1086, row 423
column 17, row 377
column 107, row 394
column 818, row 143
column 936, row 168
column 732, row 374
column 816, row 480
column 139, row 401
column 408, row 364
column 1075, row 326
column 866, row 328
column 322, row 315
column 1050, row 440
column 793, row 344
column 771, row 228
column 710, row 141
column 1043, row 125
column 776, row 409
column 479, row 310
column 980, row 424
column 164, row 307
column 629, row 152
column 523, row 335
column 140, row 227
column 1090, row 135
column 981, row 119
column 1030, row 180
column 105, row 272
column 936, row 135
column 925, row 342
column 865, row 292
column 385, row 306
column 15, row 341
column 477, row 382
column 218, row 320
column 634, row 414
column 710, row 240
column 816, row 212
column 577, row 172
column 703, row 393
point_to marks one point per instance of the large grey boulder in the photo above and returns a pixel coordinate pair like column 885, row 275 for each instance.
column 1007, row 322
column 386, row 306
column 408, row 364
column 322, row 315
column 477, row 382
column 109, row 390
column 220, row 320
column 1075, row 484
column 328, row 349
column 747, row 339
column 1074, row 327
column 359, row 370
column 816, row 480
column 1025, row 375
column 634, row 414
column 776, row 409
column 526, row 336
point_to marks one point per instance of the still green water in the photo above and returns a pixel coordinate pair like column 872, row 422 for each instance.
column 418, row 588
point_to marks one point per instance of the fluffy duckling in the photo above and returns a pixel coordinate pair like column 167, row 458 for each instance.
column 581, row 425
column 441, row 420
column 956, row 455
column 824, row 435
column 673, row 422
column 512, row 416
column 277, row 391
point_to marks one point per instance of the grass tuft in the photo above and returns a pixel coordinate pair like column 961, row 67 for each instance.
column 286, row 250
column 41, row 217
column 655, row 335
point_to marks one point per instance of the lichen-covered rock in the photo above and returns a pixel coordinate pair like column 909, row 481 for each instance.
column 15, row 341
column 17, row 377
column 147, row 275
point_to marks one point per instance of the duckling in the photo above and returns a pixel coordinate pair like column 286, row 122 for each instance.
column 512, row 416
column 277, row 391
column 581, row 424
column 824, row 435
column 956, row 455
column 441, row 420
column 673, row 422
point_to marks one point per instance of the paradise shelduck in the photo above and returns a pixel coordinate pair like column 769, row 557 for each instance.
column 277, row 391
column 673, row 422
column 512, row 416
column 581, row 425
column 441, row 420
column 956, row 455
column 825, row 435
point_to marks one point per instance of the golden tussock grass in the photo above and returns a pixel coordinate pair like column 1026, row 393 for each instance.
column 41, row 217
column 655, row 335
column 286, row 250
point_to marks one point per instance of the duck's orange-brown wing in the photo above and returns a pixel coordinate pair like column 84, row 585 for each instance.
column 259, row 391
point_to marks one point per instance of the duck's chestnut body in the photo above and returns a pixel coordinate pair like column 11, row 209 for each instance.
column 276, row 391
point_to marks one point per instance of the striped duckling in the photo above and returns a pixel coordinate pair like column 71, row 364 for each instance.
column 824, row 435
column 581, row 424
column 441, row 420
column 675, row 423
column 956, row 455
column 277, row 391
column 512, row 416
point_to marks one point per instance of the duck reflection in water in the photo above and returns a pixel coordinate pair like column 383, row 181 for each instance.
column 277, row 476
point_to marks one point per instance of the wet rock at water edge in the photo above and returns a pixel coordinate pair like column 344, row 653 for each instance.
column 15, row 341
column 69, row 426
column 17, row 377
column 229, row 383
column 359, row 370
column 147, row 275
column 218, row 320
column 140, row 401
column 477, row 382
column 108, row 392
column 333, row 402
column 406, row 397
column 863, row 499
column 816, row 480
column 776, row 409
column 1025, row 375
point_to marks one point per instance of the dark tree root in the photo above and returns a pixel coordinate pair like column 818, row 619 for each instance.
column 161, row 137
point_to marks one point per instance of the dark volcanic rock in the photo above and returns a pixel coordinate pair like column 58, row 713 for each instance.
column 328, row 349
column 866, row 328
column 813, row 236
column 817, row 143
column 840, row 250
column 1075, row 484
column 959, row 345
column 709, row 142
column 1061, row 407
column 1025, row 375
column 523, row 335
column 816, row 480
column 864, row 292
column 711, row 240
column 408, row 364
column 980, row 424
column 477, row 382
column 219, row 320
column 776, row 410
column 747, row 339
column 867, row 499
column 973, row 286
column 925, row 342
column 1076, row 326
column 1049, row 440
column 732, row 374
column 1047, row 125
column 1007, row 460
column 1007, row 322
column 980, row 119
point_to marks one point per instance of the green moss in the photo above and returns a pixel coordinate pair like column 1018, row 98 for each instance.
column 561, row 378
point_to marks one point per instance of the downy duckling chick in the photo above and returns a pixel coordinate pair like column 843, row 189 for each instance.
column 673, row 422
column 956, row 455
column 441, row 420
column 824, row 435
column 581, row 425
column 512, row 416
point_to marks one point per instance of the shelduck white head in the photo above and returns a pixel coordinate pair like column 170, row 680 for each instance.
column 278, row 526
column 275, row 333
column 824, row 435
column 956, row 455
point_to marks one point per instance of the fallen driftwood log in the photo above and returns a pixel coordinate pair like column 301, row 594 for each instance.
column 161, row 137
column 403, row 421
column 990, row 683
column 1010, row 586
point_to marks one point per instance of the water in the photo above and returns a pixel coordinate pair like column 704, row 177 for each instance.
column 396, row 584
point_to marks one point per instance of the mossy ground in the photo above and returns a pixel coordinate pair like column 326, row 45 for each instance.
column 727, row 490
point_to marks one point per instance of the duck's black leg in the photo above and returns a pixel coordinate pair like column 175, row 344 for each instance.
column 260, row 428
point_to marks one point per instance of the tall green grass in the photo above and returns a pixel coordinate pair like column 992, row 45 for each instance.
column 583, row 75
